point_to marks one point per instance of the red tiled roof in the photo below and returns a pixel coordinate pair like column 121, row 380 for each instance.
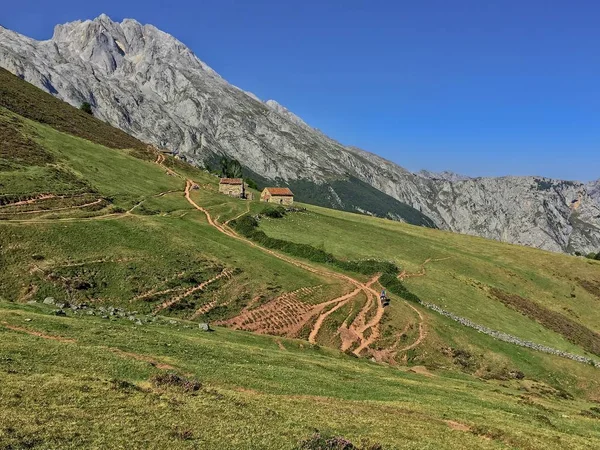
column 230, row 181
column 280, row 191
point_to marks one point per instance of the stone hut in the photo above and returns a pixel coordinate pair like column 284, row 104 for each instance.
column 279, row 195
column 233, row 187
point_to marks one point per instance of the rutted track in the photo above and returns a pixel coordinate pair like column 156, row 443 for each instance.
column 300, row 313
column 168, row 303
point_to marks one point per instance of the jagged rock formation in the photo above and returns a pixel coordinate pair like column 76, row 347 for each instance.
column 445, row 175
column 593, row 189
column 149, row 84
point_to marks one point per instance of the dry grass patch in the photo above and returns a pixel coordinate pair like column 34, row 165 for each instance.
column 571, row 330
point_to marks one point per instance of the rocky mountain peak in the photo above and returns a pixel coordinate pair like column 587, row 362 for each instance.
column 152, row 86
column 282, row 110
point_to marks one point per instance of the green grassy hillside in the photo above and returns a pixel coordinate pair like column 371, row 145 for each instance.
column 112, row 254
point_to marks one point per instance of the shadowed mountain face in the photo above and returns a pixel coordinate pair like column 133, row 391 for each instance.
column 149, row 84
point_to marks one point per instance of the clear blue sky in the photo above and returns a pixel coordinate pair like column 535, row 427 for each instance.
column 480, row 87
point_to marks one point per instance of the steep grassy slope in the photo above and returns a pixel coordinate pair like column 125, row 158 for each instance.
column 142, row 240
column 134, row 249
column 465, row 274
column 33, row 103
column 253, row 393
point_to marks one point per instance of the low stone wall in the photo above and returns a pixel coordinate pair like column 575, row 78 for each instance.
column 509, row 338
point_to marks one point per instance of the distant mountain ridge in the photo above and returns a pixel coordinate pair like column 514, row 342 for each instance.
column 445, row 175
column 149, row 84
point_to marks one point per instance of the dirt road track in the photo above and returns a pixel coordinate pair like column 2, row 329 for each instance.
column 370, row 293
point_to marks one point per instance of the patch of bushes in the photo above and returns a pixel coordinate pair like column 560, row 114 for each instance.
column 487, row 432
column 86, row 108
column 593, row 412
column 502, row 373
column 172, row 380
column 123, row 385
column 593, row 287
column 319, row 441
column 247, row 227
column 182, row 434
column 251, row 183
column 543, row 185
column 274, row 212
column 146, row 211
column 395, row 286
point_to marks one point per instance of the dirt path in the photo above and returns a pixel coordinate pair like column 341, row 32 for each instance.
column 172, row 301
column 136, row 356
column 38, row 333
column 422, row 272
column 370, row 293
column 240, row 215
column 30, row 201
column 341, row 301
column 372, row 325
column 160, row 160
column 283, row 321
column 422, row 330
column 42, row 211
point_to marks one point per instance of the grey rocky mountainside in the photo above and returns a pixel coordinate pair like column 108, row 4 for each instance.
column 593, row 189
column 149, row 84
column 445, row 175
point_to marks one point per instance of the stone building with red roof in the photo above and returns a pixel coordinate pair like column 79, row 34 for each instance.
column 233, row 187
column 279, row 195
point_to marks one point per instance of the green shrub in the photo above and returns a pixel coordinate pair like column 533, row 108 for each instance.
column 395, row 286
column 247, row 226
column 251, row 183
column 321, row 441
column 86, row 107
column 274, row 212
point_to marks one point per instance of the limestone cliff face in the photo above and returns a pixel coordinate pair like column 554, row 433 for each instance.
column 149, row 84
column 593, row 189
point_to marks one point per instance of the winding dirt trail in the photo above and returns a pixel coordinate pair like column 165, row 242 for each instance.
column 239, row 215
column 341, row 301
column 422, row 271
column 422, row 330
column 289, row 325
column 30, row 201
column 372, row 325
column 43, row 211
column 37, row 333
